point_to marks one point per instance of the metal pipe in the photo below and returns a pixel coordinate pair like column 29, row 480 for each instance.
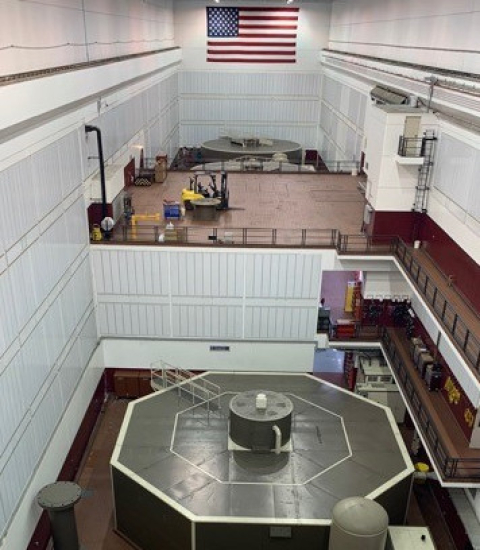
column 278, row 439
column 89, row 128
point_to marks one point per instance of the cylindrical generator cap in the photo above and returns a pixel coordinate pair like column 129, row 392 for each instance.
column 360, row 516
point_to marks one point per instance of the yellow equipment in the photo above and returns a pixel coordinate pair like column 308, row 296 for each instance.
column 96, row 232
column 190, row 195
column 145, row 218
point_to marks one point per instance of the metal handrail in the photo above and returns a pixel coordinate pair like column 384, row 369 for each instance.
column 202, row 390
column 455, row 326
column 253, row 163
column 223, row 236
column 411, row 147
column 451, row 467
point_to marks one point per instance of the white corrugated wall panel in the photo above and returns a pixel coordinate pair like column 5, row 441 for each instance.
column 22, row 283
column 286, row 282
column 13, row 406
column 69, row 162
column 282, row 276
column 454, row 170
column 88, row 340
column 284, row 323
column 204, row 321
column 116, row 319
column 8, row 330
column 70, row 372
column 17, row 197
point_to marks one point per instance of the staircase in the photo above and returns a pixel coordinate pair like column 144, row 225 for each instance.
column 193, row 388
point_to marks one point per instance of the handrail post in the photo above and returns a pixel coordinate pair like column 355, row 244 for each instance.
column 304, row 236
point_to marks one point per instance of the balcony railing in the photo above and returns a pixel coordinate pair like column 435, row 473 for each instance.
column 250, row 164
column 222, row 236
column 456, row 327
column 411, row 147
column 450, row 467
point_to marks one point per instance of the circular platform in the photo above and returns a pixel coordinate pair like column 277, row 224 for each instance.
column 223, row 149
column 253, row 428
column 191, row 490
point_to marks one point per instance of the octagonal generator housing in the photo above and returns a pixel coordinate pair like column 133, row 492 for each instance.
column 184, row 480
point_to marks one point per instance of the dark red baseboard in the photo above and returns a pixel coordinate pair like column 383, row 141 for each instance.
column 42, row 533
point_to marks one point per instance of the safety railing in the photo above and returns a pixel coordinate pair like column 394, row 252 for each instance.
column 250, row 163
column 339, row 166
column 363, row 244
column 457, row 328
column 189, row 385
column 231, row 236
column 411, row 147
column 451, row 467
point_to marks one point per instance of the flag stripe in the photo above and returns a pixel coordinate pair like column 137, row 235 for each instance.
column 274, row 27
column 268, row 18
column 239, row 60
column 296, row 10
column 247, row 43
column 266, row 35
column 249, row 52
column 252, row 35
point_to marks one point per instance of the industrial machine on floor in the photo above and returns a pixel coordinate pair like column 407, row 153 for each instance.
column 198, row 190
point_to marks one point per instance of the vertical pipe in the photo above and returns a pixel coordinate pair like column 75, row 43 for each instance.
column 88, row 129
column 278, row 439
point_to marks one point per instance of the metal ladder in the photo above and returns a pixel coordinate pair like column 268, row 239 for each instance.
column 423, row 183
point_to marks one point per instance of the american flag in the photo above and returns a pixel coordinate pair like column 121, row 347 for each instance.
column 252, row 35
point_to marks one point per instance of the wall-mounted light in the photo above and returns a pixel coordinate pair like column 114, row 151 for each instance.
column 289, row 1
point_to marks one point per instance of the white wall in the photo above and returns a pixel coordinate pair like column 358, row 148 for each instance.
column 62, row 32
column 391, row 185
column 207, row 294
column 454, row 201
column 266, row 101
column 196, row 355
column 48, row 330
column 385, row 285
column 439, row 34
column 342, row 118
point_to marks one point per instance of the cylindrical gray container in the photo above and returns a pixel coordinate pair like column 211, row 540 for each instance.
column 252, row 428
column 358, row 523
column 58, row 499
